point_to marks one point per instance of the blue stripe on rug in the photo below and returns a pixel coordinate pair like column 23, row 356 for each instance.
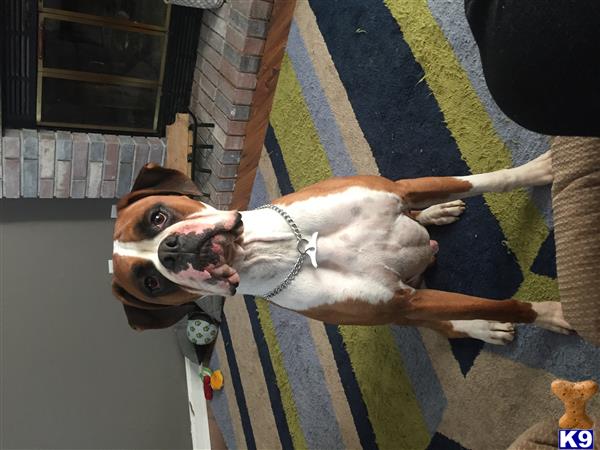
column 269, row 373
column 259, row 196
column 545, row 261
column 237, row 385
column 220, row 409
column 276, row 157
column 441, row 442
column 567, row 357
column 316, row 101
column 428, row 389
column 355, row 401
column 305, row 376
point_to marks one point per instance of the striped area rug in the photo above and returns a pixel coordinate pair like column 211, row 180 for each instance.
column 394, row 87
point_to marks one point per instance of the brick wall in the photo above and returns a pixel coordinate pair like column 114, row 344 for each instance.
column 232, row 40
column 60, row 164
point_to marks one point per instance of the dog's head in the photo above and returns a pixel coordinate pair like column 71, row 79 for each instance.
column 169, row 249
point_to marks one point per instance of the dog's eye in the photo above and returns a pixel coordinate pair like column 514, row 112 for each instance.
column 152, row 283
column 158, row 218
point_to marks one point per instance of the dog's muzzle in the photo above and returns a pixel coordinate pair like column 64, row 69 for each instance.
column 178, row 251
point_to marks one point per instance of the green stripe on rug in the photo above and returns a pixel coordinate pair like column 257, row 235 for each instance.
column 285, row 390
column 471, row 127
column 299, row 141
column 386, row 390
column 538, row 287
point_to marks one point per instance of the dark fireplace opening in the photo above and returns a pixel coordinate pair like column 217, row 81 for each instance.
column 108, row 65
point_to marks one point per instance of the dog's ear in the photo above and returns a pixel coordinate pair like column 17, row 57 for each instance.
column 153, row 176
column 146, row 316
column 146, row 319
column 157, row 180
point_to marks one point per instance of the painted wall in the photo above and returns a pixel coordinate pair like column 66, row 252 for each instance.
column 73, row 374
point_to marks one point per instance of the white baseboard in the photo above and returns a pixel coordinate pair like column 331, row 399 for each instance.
column 197, row 407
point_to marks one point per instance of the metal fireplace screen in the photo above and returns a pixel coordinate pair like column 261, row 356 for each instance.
column 97, row 65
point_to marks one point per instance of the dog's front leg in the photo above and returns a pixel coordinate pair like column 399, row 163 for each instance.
column 430, row 304
column 424, row 192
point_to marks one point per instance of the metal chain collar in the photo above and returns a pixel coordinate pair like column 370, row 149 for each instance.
column 302, row 252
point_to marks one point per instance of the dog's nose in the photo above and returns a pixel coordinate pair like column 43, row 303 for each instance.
column 170, row 243
column 168, row 251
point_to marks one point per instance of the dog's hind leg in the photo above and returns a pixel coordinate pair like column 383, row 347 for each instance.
column 430, row 304
column 424, row 192
column 497, row 333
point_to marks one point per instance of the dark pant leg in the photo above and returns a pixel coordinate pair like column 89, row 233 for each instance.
column 541, row 60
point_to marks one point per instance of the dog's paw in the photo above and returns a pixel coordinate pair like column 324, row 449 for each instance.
column 538, row 172
column 441, row 214
column 550, row 317
column 497, row 333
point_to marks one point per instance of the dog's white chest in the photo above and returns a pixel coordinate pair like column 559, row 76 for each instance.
column 366, row 248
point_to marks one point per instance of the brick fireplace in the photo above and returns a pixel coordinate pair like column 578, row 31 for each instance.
column 61, row 164
column 239, row 49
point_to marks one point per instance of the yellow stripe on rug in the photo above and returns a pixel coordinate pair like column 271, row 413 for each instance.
column 373, row 352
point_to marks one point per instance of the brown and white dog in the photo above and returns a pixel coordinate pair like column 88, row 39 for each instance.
column 372, row 249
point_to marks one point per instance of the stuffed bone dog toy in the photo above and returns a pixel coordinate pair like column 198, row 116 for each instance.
column 346, row 250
